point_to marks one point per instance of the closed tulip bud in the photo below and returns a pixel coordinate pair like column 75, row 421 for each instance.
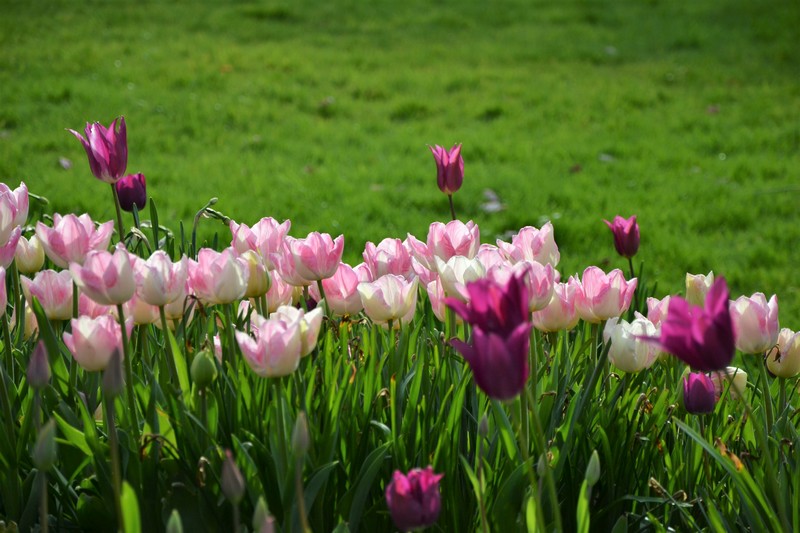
column 29, row 255
column 231, row 480
column 630, row 350
column 204, row 369
column 699, row 395
column 784, row 360
column 697, row 286
column 260, row 514
column 626, row 235
column 592, row 475
column 483, row 426
column 174, row 524
column 131, row 191
column 300, row 439
column 449, row 168
column 45, row 451
column 413, row 499
column 258, row 280
column 39, row 367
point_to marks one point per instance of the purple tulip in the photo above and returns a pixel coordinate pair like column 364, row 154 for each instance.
column 413, row 499
column 494, row 307
column 107, row 149
column 699, row 396
column 626, row 235
column 702, row 337
column 132, row 191
column 449, row 168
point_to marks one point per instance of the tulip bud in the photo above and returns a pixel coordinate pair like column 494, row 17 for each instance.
column 699, row 396
column 262, row 520
column 45, row 453
column 626, row 235
column 39, row 367
column 413, row 499
column 29, row 255
column 483, row 426
column 132, row 191
column 697, row 286
column 174, row 524
column 204, row 369
column 231, row 481
column 449, row 168
column 113, row 380
column 258, row 280
column 593, row 470
column 300, row 435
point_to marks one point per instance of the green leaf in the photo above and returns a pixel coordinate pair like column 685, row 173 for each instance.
column 530, row 515
column 363, row 485
column 582, row 512
column 130, row 509
column 180, row 363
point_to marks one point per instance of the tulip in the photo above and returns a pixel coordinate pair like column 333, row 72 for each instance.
column 490, row 255
column 657, row 309
column 702, row 337
column 699, row 396
column 265, row 238
column 29, row 255
column 601, row 296
column 413, row 499
column 389, row 257
column 341, row 289
column 53, row 290
column 15, row 202
column 38, row 371
column 90, row 308
column 308, row 322
column 755, row 322
column 107, row 149
column 449, row 168
column 560, row 312
column 531, row 244
column 141, row 311
column 316, row 257
column 258, row 279
column 630, row 351
column 784, row 360
column 697, row 286
column 132, row 191
column 71, row 238
column 626, row 235
column 389, row 298
column 275, row 348
column 436, row 296
column 456, row 273
column 539, row 279
column 160, row 280
column 279, row 293
column 218, row 277
column 445, row 241
column 93, row 340
column 104, row 277
column 735, row 377
column 9, row 250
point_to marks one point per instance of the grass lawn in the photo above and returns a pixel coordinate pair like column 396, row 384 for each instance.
column 687, row 114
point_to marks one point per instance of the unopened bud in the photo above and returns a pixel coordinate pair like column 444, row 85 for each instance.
column 262, row 520
column 483, row 426
column 113, row 379
column 232, row 481
column 39, row 367
column 300, row 435
column 593, row 469
column 29, row 255
column 541, row 465
column 204, row 369
column 44, row 451
column 174, row 524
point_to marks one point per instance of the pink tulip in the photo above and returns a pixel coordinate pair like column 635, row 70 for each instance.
column 449, row 168
column 456, row 273
column 490, row 255
column 9, row 250
column 657, row 309
column 258, row 278
column 92, row 309
column 160, row 280
column 279, row 293
column 29, row 255
column 731, row 378
column 560, row 312
column 93, row 340
column 784, row 360
column 184, row 303
column 413, row 499
column 53, row 290
column 265, row 238
column 308, row 322
column 341, row 289
column 755, row 322
column 104, row 277
column 15, row 201
column 531, row 244
column 107, row 149
column 436, row 296
column 316, row 257
column 71, row 238
column 140, row 311
column 274, row 349
column 539, row 279
column 445, row 241
column 697, row 286
column 389, row 298
column 3, row 293
column 218, row 277
column 390, row 257
column 601, row 296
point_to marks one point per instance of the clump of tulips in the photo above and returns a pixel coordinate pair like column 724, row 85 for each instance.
column 443, row 382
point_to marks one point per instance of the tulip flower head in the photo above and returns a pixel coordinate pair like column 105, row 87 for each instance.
column 273, row 348
column 630, row 351
column 104, row 277
column 265, row 237
column 626, row 235
column 72, row 237
column 29, row 255
column 445, row 241
column 601, row 296
column 316, row 257
column 53, row 290
column 132, row 191
column 449, row 168
column 531, row 244
column 389, row 298
column 390, row 256
column 218, row 277
column 697, row 286
column 413, row 499
column 755, row 323
column 731, row 378
column 702, row 337
column 784, row 360
column 94, row 340
column 560, row 312
column 107, row 149
column 699, row 394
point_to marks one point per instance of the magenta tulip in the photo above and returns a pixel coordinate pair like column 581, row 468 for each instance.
column 72, row 237
column 449, row 168
column 132, row 190
column 699, row 396
column 107, row 149
column 626, row 235
column 413, row 499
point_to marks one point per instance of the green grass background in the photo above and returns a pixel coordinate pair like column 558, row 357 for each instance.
column 684, row 113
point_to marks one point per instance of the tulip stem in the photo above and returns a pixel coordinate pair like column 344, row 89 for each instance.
column 115, row 467
column 129, row 376
column 14, row 492
column 120, row 227
column 173, row 370
column 479, row 468
column 44, row 523
column 19, row 302
column 452, row 207
column 766, row 396
column 325, row 307
column 636, row 292
column 782, row 384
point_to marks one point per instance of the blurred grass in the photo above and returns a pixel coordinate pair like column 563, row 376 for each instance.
column 685, row 114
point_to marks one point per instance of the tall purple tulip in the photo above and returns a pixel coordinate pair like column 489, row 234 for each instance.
column 414, row 499
column 449, row 168
column 107, row 149
column 626, row 235
column 132, row 191
column 702, row 337
column 500, row 320
column 699, row 396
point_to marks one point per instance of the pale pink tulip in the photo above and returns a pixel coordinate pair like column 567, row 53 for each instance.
column 341, row 289
column 755, row 322
column 90, row 308
column 53, row 290
column 445, row 241
column 601, row 296
column 560, row 312
column 538, row 278
column 71, row 238
column 265, row 238
column 9, row 249
column 287, row 271
column 390, row 256
column 279, row 293
column 15, row 201
column 104, row 277
column 436, row 296
column 389, row 298
column 159, row 280
column 29, row 255
column 784, row 360
column 140, row 311
column 218, row 277
column 93, row 340
column 309, row 323
column 422, row 273
column 657, row 309
column 184, row 303
column 274, row 349
column 697, row 286
column 490, row 255
column 456, row 273
column 316, row 257
column 531, row 244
